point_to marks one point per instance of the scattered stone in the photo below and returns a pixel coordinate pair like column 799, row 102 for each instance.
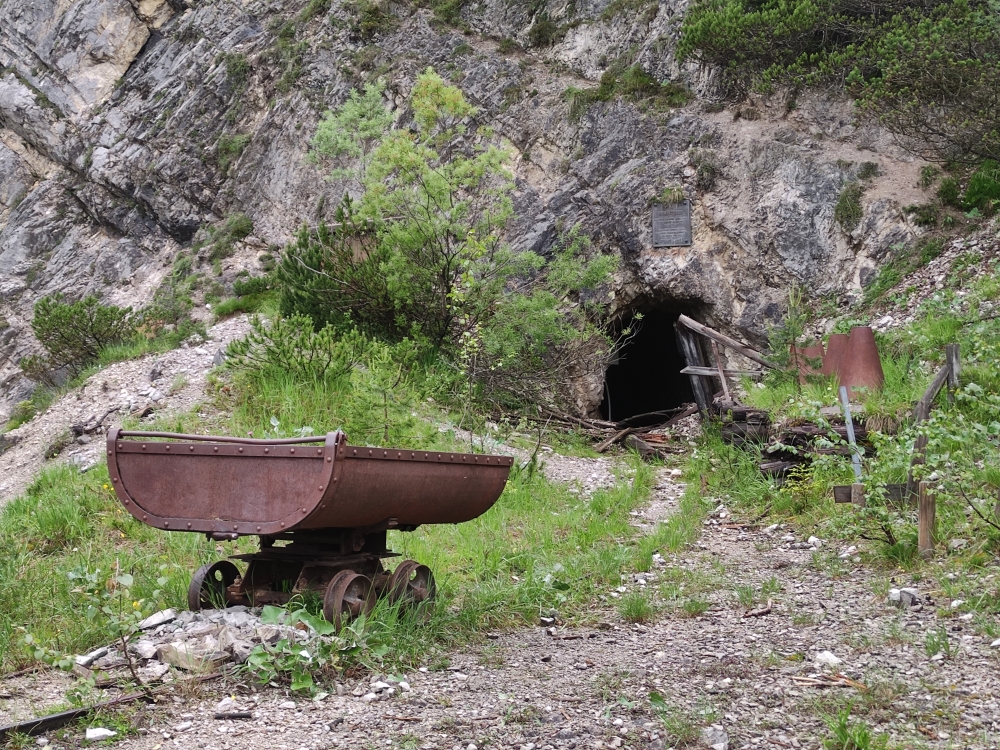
column 814, row 541
column 995, row 644
column 828, row 659
column 96, row 734
column 187, row 656
column 287, row 705
column 848, row 552
column 42, row 741
column 715, row 737
column 152, row 672
column 184, row 726
column 958, row 544
column 87, row 659
column 158, row 618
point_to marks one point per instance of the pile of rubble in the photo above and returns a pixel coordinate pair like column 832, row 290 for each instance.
column 194, row 642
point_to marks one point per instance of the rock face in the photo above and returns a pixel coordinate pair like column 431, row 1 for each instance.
column 126, row 126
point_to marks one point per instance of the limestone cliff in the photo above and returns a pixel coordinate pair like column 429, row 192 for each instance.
column 125, row 127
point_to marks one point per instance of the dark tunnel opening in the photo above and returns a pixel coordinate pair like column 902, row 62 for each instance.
column 647, row 375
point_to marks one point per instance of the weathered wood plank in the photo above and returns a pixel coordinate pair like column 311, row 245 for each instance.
column 725, row 340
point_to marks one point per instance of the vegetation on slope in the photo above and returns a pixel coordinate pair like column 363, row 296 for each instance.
column 928, row 71
column 963, row 443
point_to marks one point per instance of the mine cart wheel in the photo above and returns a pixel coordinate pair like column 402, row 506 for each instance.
column 411, row 584
column 209, row 583
column 348, row 595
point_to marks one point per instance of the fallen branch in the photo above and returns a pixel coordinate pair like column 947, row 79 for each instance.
column 605, row 444
column 975, row 508
column 92, row 427
column 766, row 610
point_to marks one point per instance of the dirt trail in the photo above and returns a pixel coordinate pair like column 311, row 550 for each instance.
column 171, row 382
column 764, row 680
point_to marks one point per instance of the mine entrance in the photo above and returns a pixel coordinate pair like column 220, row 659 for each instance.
column 647, row 375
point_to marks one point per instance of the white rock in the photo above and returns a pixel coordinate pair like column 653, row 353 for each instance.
column 378, row 687
column 828, row 659
column 226, row 704
column 158, row 618
column 143, row 649
column 288, row 705
column 95, row 734
column 715, row 737
column 815, row 541
column 957, row 603
column 184, row 726
column 153, row 671
column 369, row 698
column 995, row 644
column 404, row 686
column 42, row 741
column 87, row 659
column 848, row 552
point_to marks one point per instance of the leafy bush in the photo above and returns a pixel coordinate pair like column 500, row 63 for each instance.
column 223, row 238
column 983, row 190
column 229, row 149
column 74, row 333
column 373, row 20
column 629, row 82
column 927, row 71
column 949, row 193
column 421, row 254
column 848, row 211
column 251, row 286
column 293, row 346
column 544, row 32
column 925, row 215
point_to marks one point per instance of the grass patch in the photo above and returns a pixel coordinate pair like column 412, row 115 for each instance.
column 626, row 82
column 540, row 548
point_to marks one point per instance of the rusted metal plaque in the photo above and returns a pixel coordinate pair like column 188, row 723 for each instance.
column 672, row 225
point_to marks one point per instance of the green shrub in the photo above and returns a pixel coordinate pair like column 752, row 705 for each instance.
column 628, row 82
column 848, row 210
column 314, row 8
column 928, row 175
column 544, row 32
column 237, row 67
column 74, row 333
column 229, row 149
column 222, row 238
column 949, row 193
column 252, row 285
column 421, row 254
column 293, row 346
column 925, row 215
column 373, row 20
column 983, row 190
column 868, row 170
column 927, row 71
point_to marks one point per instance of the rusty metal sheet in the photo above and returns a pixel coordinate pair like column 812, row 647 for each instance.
column 245, row 486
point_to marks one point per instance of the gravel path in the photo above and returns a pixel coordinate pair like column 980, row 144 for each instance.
column 171, row 382
column 754, row 674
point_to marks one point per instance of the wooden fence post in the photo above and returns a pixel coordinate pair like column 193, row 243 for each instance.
column 926, row 511
column 858, row 495
column 954, row 370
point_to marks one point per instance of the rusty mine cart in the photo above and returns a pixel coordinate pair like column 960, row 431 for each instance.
column 321, row 508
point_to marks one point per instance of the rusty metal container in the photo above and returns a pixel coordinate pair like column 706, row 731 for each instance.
column 321, row 508
column 862, row 365
column 836, row 348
